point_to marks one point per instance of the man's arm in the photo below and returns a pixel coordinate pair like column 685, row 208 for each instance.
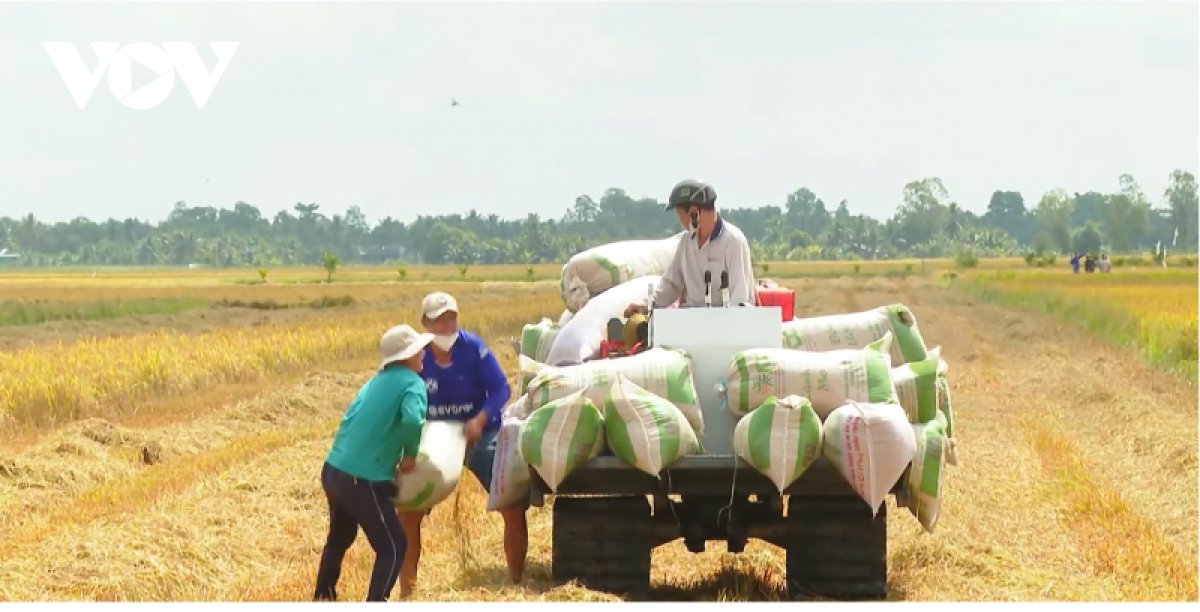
column 412, row 420
column 741, row 275
column 495, row 384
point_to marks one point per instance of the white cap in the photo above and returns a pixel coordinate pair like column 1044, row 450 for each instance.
column 436, row 304
column 401, row 343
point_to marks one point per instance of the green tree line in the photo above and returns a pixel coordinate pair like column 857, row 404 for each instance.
column 926, row 223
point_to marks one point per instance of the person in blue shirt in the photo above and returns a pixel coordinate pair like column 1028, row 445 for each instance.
column 378, row 437
column 465, row 383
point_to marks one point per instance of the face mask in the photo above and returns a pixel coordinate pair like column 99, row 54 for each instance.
column 445, row 342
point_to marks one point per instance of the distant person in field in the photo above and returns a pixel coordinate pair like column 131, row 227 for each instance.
column 465, row 383
column 1105, row 264
column 1089, row 264
column 379, row 437
column 1075, row 262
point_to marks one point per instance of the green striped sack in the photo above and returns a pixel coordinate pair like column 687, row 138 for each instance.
column 562, row 435
column 917, row 387
column 924, row 495
column 601, row 268
column 844, row 331
column 527, row 369
column 645, row 430
column 781, row 438
column 947, row 413
column 663, row 372
column 536, row 339
column 828, row 379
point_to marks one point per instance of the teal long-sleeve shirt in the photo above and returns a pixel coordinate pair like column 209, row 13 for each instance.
column 382, row 424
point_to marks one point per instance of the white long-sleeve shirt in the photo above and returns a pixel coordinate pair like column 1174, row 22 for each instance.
column 726, row 250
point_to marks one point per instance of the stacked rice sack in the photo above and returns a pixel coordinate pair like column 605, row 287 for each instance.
column 534, row 346
column 642, row 409
column 919, row 373
column 859, row 389
column 601, row 268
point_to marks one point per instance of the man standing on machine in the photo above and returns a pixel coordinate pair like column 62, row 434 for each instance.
column 713, row 250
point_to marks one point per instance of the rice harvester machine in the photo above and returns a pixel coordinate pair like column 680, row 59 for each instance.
column 608, row 516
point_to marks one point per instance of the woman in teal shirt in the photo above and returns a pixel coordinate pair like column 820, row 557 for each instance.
column 379, row 436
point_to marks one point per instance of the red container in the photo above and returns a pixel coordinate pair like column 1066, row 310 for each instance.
column 781, row 297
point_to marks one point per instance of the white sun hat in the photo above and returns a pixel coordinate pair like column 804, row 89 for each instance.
column 436, row 304
column 400, row 343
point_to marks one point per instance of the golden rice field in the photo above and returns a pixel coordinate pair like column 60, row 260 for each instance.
column 1155, row 311
column 91, row 376
column 175, row 456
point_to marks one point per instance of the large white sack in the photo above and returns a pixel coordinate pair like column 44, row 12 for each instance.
column 537, row 338
column 579, row 340
column 561, row 436
column 645, row 430
column 848, row 331
column 828, row 379
column 663, row 372
column 599, row 269
column 781, row 438
column 510, row 473
column 923, row 491
column 439, row 466
column 917, row 387
column 871, row 445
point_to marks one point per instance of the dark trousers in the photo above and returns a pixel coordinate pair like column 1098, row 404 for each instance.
column 370, row 504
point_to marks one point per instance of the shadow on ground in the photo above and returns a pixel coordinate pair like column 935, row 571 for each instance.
column 730, row 583
column 537, row 577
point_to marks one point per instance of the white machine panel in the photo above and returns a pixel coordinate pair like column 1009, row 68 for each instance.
column 711, row 337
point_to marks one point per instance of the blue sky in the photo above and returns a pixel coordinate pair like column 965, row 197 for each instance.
column 348, row 104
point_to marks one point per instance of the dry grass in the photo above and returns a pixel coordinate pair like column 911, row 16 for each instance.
column 1077, row 480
